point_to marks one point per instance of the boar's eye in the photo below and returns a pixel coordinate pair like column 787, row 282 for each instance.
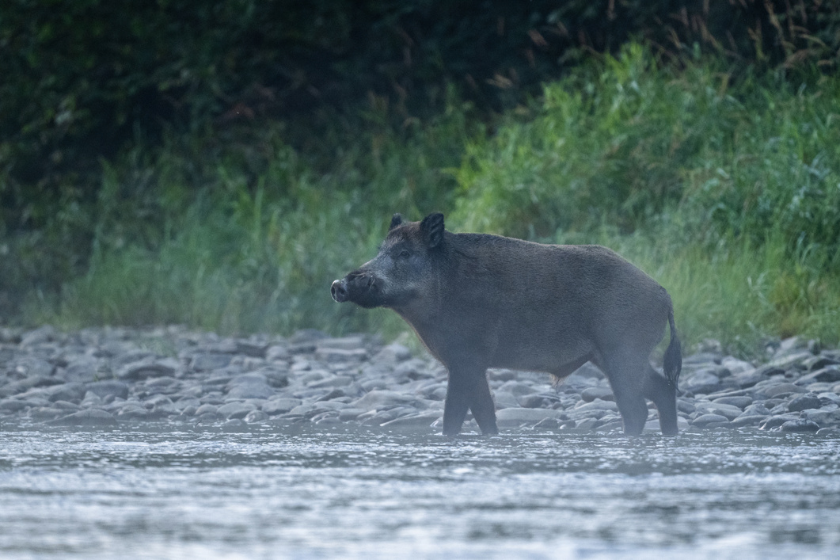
column 405, row 253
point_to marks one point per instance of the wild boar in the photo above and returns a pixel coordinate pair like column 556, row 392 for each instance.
column 482, row 301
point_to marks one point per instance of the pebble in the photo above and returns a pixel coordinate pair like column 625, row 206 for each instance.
column 110, row 377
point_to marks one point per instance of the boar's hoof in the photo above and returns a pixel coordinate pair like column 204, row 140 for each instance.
column 339, row 291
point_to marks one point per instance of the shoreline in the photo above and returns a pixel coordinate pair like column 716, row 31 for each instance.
column 101, row 377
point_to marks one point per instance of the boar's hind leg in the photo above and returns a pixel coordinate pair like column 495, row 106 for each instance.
column 664, row 396
column 626, row 375
column 468, row 389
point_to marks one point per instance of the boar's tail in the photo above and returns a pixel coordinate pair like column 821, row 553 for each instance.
column 673, row 355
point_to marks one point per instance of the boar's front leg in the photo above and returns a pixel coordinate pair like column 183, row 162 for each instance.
column 468, row 389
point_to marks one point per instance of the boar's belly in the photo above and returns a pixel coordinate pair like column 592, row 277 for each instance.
column 548, row 354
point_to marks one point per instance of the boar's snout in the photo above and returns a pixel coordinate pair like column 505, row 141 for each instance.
column 339, row 290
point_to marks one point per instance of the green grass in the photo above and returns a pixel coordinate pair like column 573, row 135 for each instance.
column 725, row 189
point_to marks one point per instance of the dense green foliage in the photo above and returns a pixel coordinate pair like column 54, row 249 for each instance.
column 727, row 193
column 218, row 164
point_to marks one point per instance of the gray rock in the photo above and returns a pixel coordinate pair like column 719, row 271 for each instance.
column 41, row 335
column 756, row 409
column 591, row 393
column 210, row 361
column 340, row 355
column 330, row 382
column 277, row 353
column 800, row 426
column 776, row 421
column 83, row 370
column 148, row 367
column 740, row 402
column 235, row 409
column 596, row 405
column 251, row 390
column 256, row 416
column 705, row 420
column 378, row 400
column 825, row 375
column 517, row 416
column 748, row 420
column 279, row 406
column 534, row 401
column 419, row 420
column 348, row 414
column 88, row 417
column 12, row 405
column 517, row 388
column 721, row 409
column 72, row 392
column 46, row 412
column 779, row 389
column 392, row 354
column 206, row 409
column 702, row 381
column 502, row 399
column 804, row 402
column 108, row 387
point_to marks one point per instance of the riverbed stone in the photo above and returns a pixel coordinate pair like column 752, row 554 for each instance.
column 108, row 387
column 88, row 417
column 591, row 393
column 235, row 409
column 708, row 420
column 800, row 426
column 508, row 417
column 739, row 402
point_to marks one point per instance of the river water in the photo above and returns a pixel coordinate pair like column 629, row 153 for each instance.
column 366, row 493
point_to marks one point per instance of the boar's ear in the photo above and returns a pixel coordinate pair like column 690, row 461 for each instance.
column 432, row 229
column 396, row 220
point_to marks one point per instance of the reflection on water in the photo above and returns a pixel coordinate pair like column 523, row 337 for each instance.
column 368, row 494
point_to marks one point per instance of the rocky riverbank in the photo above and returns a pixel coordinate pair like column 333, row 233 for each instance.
column 115, row 376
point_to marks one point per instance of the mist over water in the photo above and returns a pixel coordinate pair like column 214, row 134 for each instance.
column 366, row 493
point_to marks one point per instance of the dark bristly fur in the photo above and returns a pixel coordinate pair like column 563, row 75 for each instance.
column 479, row 301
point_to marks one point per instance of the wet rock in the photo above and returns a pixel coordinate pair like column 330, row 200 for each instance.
column 825, row 375
column 110, row 387
column 12, row 405
column 331, row 381
column 518, row 416
column 800, row 426
column 378, row 400
column 148, row 367
column 748, row 420
column 502, row 399
column 41, row 335
column 235, row 409
column 804, row 402
column 710, row 420
column 83, row 370
column 72, row 392
column 779, row 389
column 831, row 432
column 517, row 388
column 596, row 405
column 256, row 416
column 209, row 362
column 740, row 402
column 412, row 420
column 701, row 382
column 279, row 406
column 234, row 425
column 88, row 417
column 777, row 421
column 250, row 390
column 721, row 409
column 277, row 353
column 206, row 409
column 591, row 393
